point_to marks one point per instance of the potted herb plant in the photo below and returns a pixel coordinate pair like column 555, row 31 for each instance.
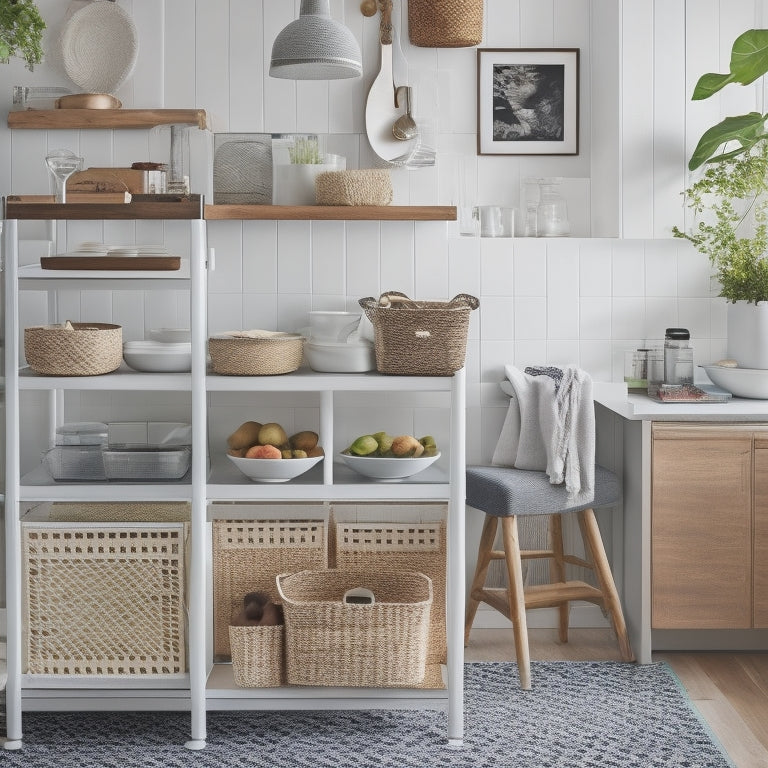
column 21, row 32
column 298, row 160
column 729, row 200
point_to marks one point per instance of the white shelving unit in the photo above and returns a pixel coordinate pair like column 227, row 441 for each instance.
column 208, row 686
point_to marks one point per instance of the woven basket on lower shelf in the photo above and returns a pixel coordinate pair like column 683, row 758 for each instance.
column 76, row 349
column 257, row 656
column 330, row 642
column 419, row 338
column 263, row 353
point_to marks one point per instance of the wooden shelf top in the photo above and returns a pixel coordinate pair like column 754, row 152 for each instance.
column 105, row 118
column 140, row 207
column 332, row 212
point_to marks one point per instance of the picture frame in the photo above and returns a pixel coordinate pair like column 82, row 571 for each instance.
column 528, row 101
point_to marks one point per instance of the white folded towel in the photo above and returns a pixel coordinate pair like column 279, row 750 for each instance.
column 550, row 426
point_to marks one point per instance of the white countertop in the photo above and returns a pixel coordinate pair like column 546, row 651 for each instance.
column 640, row 407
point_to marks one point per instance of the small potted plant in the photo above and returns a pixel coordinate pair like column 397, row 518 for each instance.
column 729, row 200
column 21, row 32
column 298, row 160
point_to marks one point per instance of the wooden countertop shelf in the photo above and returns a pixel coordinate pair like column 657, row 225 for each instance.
column 332, row 212
column 140, row 207
column 105, row 118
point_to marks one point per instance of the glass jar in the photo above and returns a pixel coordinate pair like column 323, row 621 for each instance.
column 552, row 211
column 678, row 356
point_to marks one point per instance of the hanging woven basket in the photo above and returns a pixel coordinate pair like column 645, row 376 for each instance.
column 454, row 24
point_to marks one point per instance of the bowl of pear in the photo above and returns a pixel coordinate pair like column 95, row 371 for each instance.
column 381, row 456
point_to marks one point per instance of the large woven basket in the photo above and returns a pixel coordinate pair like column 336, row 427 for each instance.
column 257, row 656
column 357, row 187
column 104, row 599
column 454, row 24
column 419, row 338
column 330, row 642
column 256, row 353
column 74, row 349
column 248, row 555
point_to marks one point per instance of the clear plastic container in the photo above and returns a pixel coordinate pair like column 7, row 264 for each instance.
column 82, row 433
column 146, row 462
column 75, row 462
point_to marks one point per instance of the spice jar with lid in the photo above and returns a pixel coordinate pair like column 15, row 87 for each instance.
column 678, row 356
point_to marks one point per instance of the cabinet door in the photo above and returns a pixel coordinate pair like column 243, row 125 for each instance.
column 701, row 525
column 760, row 551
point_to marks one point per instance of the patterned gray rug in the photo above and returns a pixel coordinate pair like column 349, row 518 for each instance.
column 578, row 715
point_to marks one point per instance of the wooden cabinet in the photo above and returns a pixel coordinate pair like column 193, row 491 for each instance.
column 709, row 526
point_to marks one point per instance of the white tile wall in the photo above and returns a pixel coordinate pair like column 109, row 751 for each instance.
column 582, row 299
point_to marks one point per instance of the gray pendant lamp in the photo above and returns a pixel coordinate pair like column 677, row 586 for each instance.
column 315, row 47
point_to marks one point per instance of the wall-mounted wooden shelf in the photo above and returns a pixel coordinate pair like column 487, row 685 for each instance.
column 140, row 207
column 105, row 118
column 333, row 212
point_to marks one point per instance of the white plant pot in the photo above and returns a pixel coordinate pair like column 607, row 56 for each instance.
column 747, row 334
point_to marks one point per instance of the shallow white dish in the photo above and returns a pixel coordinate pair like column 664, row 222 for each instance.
column 330, row 357
column 273, row 470
column 741, row 382
column 384, row 468
column 157, row 356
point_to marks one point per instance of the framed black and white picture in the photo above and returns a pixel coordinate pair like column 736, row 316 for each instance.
column 528, row 101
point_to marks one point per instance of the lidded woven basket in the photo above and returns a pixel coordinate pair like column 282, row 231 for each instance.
column 256, row 353
column 74, row 349
column 454, row 24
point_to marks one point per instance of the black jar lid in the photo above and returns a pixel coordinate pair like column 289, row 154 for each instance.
column 682, row 334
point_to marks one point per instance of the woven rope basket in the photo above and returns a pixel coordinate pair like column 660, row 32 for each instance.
column 400, row 546
column 262, row 356
column 257, row 656
column 328, row 642
column 419, row 338
column 358, row 187
column 454, row 24
column 133, row 512
column 87, row 349
column 247, row 557
column 104, row 600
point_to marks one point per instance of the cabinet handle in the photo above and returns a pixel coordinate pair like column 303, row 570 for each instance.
column 211, row 259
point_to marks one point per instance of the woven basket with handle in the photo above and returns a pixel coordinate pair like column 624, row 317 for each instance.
column 454, row 24
column 419, row 338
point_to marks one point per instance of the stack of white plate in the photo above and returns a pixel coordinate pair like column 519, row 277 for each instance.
column 90, row 249
column 152, row 250
column 158, row 356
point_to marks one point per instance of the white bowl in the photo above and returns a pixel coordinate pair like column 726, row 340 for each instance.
column 329, row 357
column 158, row 357
column 273, row 470
column 741, row 382
column 333, row 326
column 385, row 468
column 172, row 335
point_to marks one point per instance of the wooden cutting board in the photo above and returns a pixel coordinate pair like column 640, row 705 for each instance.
column 110, row 263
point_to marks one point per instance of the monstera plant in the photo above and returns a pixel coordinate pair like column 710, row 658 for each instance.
column 21, row 32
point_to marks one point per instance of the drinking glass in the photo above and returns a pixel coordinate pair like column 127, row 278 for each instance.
column 552, row 212
column 62, row 163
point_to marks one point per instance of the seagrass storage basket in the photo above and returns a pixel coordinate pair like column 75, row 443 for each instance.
column 248, row 555
column 74, row 349
column 104, row 599
column 419, row 338
column 256, row 353
column 330, row 642
column 118, row 511
column 367, row 186
column 454, row 24
column 257, row 656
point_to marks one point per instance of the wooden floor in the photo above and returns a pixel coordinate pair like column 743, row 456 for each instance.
column 730, row 690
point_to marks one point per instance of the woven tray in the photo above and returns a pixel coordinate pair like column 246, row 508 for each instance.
column 454, row 24
column 419, row 338
column 247, row 557
column 328, row 642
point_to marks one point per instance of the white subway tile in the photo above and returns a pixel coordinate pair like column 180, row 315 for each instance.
column 328, row 257
column 260, row 256
column 530, row 260
column 497, row 319
column 397, row 256
column 496, row 265
column 562, row 317
column 530, row 318
column 595, row 317
column 363, row 248
column 294, row 242
column 628, row 268
column 595, row 268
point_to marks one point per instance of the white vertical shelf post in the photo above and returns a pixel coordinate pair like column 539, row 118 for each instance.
column 326, row 430
column 12, row 491
column 198, row 670
column 456, row 557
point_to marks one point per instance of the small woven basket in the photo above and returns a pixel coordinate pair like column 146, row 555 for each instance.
column 330, row 642
column 257, row 656
column 84, row 349
column 358, row 187
column 419, row 338
column 454, row 24
column 265, row 355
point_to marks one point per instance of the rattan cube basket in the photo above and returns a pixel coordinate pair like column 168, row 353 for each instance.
column 74, row 349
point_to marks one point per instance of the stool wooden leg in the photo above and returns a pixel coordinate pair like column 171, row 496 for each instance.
column 517, row 598
column 484, row 551
column 557, row 571
column 593, row 543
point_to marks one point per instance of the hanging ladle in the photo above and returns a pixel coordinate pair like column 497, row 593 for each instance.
column 405, row 127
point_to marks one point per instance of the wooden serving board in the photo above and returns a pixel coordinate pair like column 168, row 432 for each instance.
column 111, row 263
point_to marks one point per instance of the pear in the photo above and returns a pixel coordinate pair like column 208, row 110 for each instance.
column 364, row 446
column 272, row 434
column 384, row 440
column 246, row 435
column 304, row 441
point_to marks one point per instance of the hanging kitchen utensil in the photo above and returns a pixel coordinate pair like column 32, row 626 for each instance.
column 380, row 110
column 405, row 127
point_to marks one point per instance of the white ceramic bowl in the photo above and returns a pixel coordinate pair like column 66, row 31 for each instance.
column 157, row 356
column 172, row 335
column 329, row 357
column 333, row 326
column 273, row 470
column 741, row 382
column 384, row 468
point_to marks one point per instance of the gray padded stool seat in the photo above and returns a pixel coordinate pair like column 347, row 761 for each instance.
column 507, row 493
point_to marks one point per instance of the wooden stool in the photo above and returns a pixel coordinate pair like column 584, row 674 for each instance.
column 508, row 493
